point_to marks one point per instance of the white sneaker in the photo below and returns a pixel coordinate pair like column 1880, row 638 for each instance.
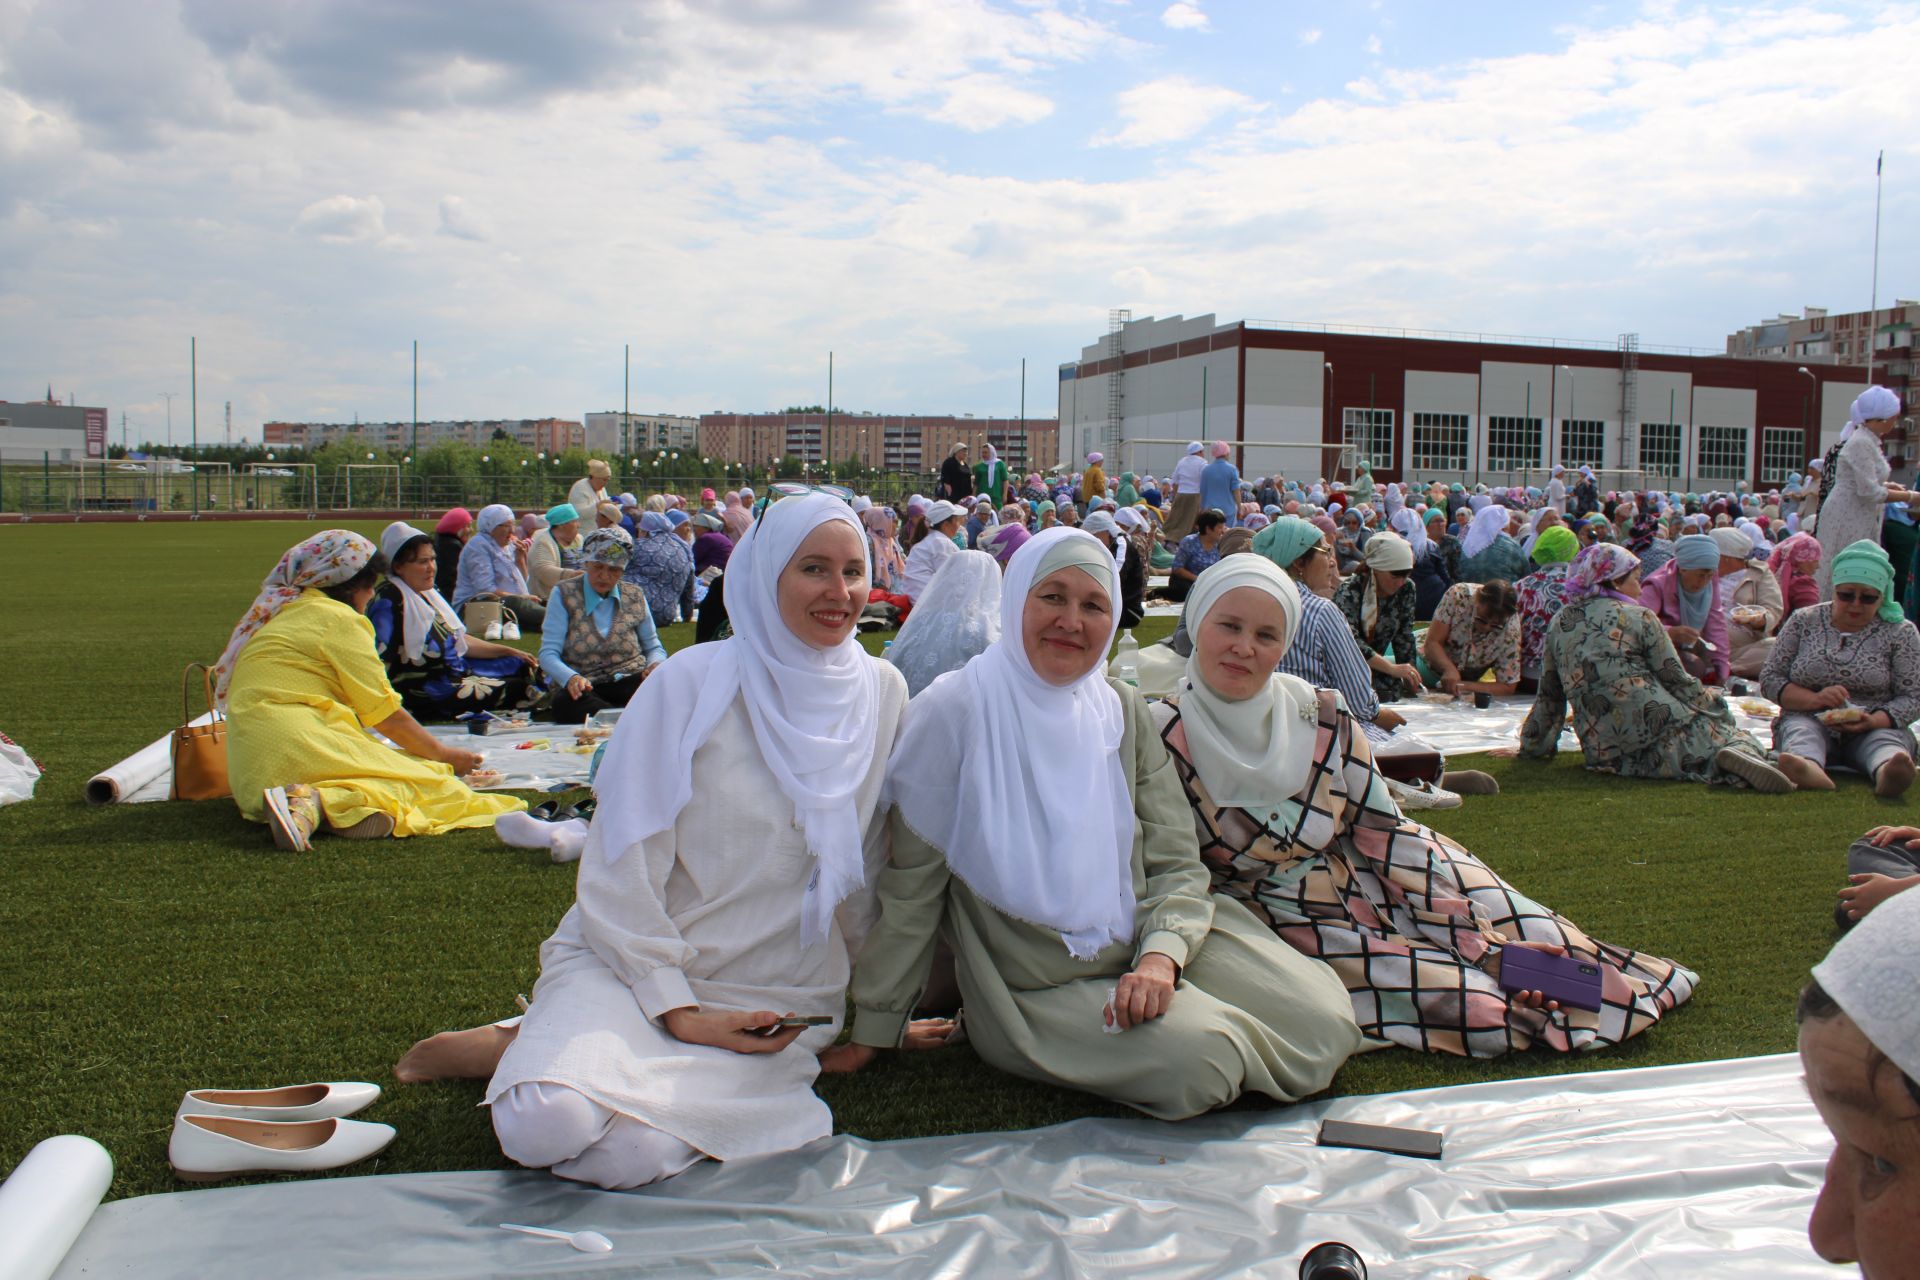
column 1423, row 795
column 492, row 632
column 210, row 1148
column 330, row 1101
column 511, row 631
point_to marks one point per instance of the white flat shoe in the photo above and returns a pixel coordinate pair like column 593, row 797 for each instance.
column 211, row 1148
column 330, row 1101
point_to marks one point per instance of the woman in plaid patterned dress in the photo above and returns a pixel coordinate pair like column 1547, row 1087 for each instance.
column 1296, row 822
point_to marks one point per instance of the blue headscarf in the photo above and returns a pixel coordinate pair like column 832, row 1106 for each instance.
column 1695, row 551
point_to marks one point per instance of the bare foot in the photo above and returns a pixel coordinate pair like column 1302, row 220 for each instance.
column 1806, row 775
column 456, row 1055
column 1894, row 777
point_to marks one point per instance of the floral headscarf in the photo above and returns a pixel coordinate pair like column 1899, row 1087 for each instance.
column 1800, row 549
column 1595, row 570
column 327, row 559
column 612, row 546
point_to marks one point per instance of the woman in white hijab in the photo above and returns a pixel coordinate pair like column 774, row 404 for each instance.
column 1857, row 488
column 725, row 883
column 1059, row 864
column 1295, row 820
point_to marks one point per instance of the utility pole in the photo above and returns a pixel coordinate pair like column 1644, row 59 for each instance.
column 413, row 447
column 827, row 444
column 168, row 397
column 626, row 399
column 229, row 424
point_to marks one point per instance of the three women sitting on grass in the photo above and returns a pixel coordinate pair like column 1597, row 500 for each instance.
column 1167, row 877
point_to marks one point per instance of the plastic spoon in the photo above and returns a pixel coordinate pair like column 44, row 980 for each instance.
column 584, row 1241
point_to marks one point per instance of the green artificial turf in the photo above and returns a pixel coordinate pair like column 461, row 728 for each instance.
column 149, row 949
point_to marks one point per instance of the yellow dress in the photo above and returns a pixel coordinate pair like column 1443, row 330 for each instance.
column 303, row 691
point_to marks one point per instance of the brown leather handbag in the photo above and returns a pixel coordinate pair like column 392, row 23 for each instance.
column 199, row 750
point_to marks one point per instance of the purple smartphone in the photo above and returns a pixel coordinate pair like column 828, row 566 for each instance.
column 1572, row 981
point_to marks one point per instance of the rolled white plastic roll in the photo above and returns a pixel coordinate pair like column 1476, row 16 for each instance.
column 155, row 760
column 46, row 1202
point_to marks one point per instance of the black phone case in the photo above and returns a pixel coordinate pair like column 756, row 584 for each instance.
column 1423, row 1144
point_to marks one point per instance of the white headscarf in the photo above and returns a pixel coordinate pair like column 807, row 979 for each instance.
column 1488, row 523
column 1255, row 754
column 814, row 714
column 417, row 611
column 1414, row 529
column 1040, row 825
column 1871, row 973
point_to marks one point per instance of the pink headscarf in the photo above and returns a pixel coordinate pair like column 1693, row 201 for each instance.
column 454, row 521
column 1221, row 449
column 327, row 559
column 1800, row 549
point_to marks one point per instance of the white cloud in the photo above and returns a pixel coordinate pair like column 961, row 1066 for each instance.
column 1185, row 16
column 1170, row 109
column 978, row 103
column 462, row 221
column 1310, row 36
column 344, row 219
column 739, row 215
column 1373, row 45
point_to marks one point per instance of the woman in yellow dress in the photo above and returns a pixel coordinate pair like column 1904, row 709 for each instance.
column 301, row 682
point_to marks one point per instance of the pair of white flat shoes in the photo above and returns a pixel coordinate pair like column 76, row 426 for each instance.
column 223, row 1133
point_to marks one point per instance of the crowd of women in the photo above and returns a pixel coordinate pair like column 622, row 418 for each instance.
column 1222, row 878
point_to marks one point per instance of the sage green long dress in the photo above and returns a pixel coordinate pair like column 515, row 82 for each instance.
column 1249, row 1013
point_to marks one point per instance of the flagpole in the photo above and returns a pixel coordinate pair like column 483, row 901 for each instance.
column 1873, row 327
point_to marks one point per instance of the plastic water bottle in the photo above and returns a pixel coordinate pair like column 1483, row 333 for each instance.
column 1126, row 659
column 886, row 651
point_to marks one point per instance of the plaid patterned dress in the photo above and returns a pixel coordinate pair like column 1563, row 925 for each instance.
column 1407, row 918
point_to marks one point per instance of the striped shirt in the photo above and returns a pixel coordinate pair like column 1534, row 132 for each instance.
column 1325, row 655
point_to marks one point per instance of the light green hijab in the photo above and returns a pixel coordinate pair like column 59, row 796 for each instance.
column 1865, row 564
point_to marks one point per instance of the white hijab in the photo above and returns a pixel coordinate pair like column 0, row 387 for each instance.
column 1413, row 529
column 814, row 715
column 1488, row 523
column 1255, row 754
column 1040, row 825
column 417, row 611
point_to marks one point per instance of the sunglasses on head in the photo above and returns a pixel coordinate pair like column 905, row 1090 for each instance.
column 1857, row 597
column 791, row 489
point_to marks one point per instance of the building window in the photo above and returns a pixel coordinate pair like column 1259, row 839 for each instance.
column 1783, row 450
column 1513, row 444
column 1440, row 441
column 1723, row 453
column 1660, row 449
column 1370, row 434
column 1583, row 442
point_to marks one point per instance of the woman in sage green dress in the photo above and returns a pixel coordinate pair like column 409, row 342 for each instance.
column 1063, row 870
column 1635, row 709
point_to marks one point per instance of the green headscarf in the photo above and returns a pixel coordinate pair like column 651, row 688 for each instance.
column 1286, row 540
column 1127, row 495
column 1556, row 545
column 1864, row 564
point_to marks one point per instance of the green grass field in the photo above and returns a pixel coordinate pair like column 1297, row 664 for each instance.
column 149, row 949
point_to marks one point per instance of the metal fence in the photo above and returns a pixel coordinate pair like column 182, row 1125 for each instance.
column 70, row 489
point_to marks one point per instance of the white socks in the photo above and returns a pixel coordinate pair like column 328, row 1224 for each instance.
column 564, row 840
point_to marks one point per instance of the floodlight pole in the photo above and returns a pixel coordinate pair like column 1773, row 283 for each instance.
column 626, row 399
column 413, row 449
column 193, row 369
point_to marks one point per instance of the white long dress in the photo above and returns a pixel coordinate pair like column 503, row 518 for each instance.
column 1857, row 504
column 705, row 912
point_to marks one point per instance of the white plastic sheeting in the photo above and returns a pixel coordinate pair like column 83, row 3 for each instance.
column 561, row 763
column 1708, row 1169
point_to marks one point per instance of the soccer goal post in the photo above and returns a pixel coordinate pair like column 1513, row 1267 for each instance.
column 281, row 486
column 1274, row 455
column 361, row 486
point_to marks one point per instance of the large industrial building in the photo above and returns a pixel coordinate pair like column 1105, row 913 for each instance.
column 1312, row 401
column 46, row 430
column 884, row 442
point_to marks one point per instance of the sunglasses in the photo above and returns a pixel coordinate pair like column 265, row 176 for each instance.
column 791, row 489
column 1857, row 597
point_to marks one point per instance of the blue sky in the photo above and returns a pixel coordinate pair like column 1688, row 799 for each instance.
column 932, row 189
